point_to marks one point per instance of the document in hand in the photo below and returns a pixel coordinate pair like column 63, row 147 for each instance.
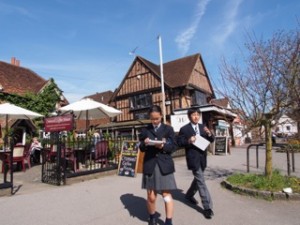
column 201, row 142
column 154, row 142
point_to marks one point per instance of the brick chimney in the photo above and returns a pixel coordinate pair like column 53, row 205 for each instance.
column 15, row 62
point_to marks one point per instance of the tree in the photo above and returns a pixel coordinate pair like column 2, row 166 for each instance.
column 45, row 101
column 263, row 84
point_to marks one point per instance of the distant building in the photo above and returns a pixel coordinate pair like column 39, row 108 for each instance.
column 286, row 126
column 234, row 129
column 186, row 83
column 16, row 81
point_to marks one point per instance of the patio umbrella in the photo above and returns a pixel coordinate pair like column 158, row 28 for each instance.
column 10, row 111
column 88, row 109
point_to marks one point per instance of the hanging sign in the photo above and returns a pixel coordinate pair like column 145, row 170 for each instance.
column 59, row 123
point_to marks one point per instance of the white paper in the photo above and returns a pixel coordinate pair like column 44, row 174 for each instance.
column 154, row 142
column 201, row 142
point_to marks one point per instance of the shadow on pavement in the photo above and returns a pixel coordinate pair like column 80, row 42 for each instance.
column 136, row 207
column 216, row 173
column 16, row 189
column 179, row 195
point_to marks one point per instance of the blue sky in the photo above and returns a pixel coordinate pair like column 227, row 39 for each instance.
column 85, row 44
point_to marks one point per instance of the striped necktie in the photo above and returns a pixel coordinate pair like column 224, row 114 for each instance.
column 196, row 129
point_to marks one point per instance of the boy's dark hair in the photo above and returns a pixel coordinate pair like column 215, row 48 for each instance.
column 155, row 108
column 193, row 110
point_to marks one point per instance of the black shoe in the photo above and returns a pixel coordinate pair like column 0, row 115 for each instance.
column 192, row 200
column 208, row 213
column 152, row 221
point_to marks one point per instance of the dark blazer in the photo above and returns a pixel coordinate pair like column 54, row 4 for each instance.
column 194, row 157
column 153, row 155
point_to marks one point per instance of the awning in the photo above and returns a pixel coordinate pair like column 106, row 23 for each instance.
column 216, row 113
column 210, row 108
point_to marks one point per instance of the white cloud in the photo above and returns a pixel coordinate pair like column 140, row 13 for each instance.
column 184, row 39
column 230, row 22
column 11, row 9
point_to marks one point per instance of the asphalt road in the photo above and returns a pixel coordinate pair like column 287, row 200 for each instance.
column 114, row 200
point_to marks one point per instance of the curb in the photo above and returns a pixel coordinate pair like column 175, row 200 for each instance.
column 268, row 195
column 83, row 178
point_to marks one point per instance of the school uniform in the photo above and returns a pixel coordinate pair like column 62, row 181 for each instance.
column 158, row 166
column 196, row 161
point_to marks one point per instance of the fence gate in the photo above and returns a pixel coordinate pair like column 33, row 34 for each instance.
column 53, row 162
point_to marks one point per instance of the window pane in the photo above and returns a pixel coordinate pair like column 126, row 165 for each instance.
column 140, row 101
column 199, row 98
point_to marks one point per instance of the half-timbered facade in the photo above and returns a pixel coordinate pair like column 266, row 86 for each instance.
column 186, row 84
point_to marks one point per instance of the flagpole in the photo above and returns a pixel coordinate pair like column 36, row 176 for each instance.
column 162, row 80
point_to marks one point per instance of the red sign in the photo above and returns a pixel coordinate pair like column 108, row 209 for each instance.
column 59, row 123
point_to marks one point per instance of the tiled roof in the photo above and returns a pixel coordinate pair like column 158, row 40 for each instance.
column 19, row 80
column 103, row 97
column 223, row 102
column 176, row 73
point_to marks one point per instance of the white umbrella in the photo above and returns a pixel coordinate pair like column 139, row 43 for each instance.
column 16, row 112
column 10, row 111
column 88, row 109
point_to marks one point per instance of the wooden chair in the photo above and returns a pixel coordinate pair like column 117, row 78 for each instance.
column 69, row 156
column 66, row 153
column 18, row 157
column 101, row 151
column 52, row 152
column 27, row 156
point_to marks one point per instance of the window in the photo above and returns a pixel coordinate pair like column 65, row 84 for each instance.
column 198, row 98
column 140, row 115
column 288, row 128
column 140, row 101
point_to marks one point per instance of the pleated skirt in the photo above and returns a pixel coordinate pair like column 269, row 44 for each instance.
column 159, row 182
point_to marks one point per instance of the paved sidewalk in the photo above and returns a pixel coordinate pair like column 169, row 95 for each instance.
column 113, row 199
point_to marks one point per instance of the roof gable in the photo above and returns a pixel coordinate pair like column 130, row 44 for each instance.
column 181, row 72
column 223, row 102
column 177, row 73
column 103, row 97
column 19, row 80
column 140, row 66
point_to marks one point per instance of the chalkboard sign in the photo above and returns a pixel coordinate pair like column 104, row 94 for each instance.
column 129, row 159
column 220, row 145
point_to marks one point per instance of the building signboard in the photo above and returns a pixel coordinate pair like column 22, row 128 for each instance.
column 59, row 123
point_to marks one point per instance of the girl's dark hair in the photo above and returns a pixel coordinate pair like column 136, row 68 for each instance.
column 155, row 108
column 193, row 110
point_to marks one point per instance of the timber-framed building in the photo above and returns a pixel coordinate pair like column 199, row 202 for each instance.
column 186, row 84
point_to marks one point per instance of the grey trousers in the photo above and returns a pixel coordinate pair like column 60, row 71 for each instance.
column 198, row 184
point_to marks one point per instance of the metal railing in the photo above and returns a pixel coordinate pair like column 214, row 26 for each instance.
column 287, row 148
column 64, row 157
column 257, row 155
